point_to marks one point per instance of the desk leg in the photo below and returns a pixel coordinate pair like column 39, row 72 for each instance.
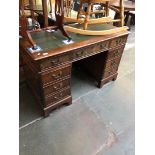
column 67, row 101
column 104, row 81
column 103, row 70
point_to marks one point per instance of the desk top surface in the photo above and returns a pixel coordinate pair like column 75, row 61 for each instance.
column 52, row 43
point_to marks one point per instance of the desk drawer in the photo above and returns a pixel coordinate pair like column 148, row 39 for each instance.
column 102, row 46
column 75, row 54
column 118, row 41
column 109, row 72
column 57, row 74
column 56, row 87
column 54, row 61
column 90, row 50
column 57, row 97
column 111, row 67
column 112, row 54
column 114, row 63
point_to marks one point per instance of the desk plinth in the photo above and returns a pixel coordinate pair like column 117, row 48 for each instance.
column 48, row 73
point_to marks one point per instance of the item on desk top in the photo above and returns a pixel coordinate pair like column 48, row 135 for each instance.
column 59, row 15
column 104, row 20
column 68, row 42
column 59, row 23
column 36, row 49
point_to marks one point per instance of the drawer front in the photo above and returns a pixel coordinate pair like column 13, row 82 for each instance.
column 56, row 87
column 54, row 61
column 97, row 48
column 75, row 54
column 114, row 63
column 118, row 41
column 57, row 74
column 57, row 97
column 112, row 54
column 90, row 50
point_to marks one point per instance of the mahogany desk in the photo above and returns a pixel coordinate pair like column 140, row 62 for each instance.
column 48, row 73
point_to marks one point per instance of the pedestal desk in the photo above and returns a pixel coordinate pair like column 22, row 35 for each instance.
column 48, row 73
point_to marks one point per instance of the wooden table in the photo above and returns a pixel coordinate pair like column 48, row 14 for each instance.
column 48, row 72
column 128, row 6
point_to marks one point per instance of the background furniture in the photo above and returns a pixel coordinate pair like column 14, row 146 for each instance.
column 105, row 4
column 48, row 72
column 129, row 6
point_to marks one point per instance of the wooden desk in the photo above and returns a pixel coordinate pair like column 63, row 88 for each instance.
column 48, row 73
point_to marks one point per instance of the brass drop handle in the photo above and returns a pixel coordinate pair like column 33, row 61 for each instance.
column 57, row 97
column 114, row 64
column 109, row 72
column 116, row 53
column 102, row 45
column 58, row 86
column 118, row 41
column 79, row 53
column 56, row 76
column 54, row 61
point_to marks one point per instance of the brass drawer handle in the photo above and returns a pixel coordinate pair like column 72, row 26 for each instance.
column 54, row 61
column 56, row 76
column 104, row 45
column 80, row 53
column 58, row 86
column 118, row 41
column 113, row 64
column 117, row 53
column 57, row 97
column 109, row 72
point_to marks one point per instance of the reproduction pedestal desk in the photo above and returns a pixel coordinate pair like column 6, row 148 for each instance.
column 48, row 72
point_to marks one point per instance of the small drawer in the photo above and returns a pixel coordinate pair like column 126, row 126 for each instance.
column 54, row 61
column 57, row 97
column 112, row 63
column 115, row 53
column 91, row 50
column 56, row 87
column 104, row 45
column 109, row 72
column 118, row 41
column 97, row 48
column 78, row 53
column 57, row 74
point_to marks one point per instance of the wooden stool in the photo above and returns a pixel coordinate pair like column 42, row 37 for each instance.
column 89, row 10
